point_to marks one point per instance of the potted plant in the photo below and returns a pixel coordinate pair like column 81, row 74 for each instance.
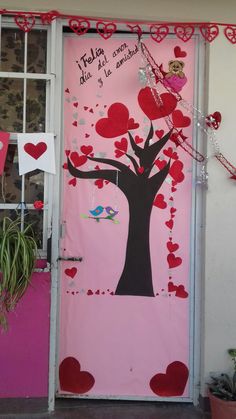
column 18, row 253
column 222, row 393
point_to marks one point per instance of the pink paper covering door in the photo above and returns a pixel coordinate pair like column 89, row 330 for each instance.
column 126, row 210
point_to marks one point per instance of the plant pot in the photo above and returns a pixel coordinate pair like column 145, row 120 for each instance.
column 222, row 409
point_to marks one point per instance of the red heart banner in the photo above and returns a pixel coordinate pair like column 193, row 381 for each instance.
column 230, row 33
column 159, row 32
column 105, row 30
column 35, row 150
column 173, row 382
column 184, row 32
column 25, row 21
column 79, row 26
column 72, row 379
column 209, row 32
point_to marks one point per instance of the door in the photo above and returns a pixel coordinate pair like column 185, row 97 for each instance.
column 126, row 293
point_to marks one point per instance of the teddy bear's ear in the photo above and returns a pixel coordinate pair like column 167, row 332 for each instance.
column 171, row 62
column 182, row 63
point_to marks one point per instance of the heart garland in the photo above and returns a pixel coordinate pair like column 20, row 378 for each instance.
column 159, row 32
column 25, row 21
column 105, row 30
column 209, row 32
column 184, row 32
column 230, row 33
column 79, row 26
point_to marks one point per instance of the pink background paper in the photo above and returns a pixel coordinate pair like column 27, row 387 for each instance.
column 123, row 341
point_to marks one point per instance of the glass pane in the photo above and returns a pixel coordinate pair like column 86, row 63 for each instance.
column 12, row 52
column 35, row 217
column 10, row 181
column 37, row 51
column 7, row 213
column 11, row 105
column 36, row 106
column 34, row 186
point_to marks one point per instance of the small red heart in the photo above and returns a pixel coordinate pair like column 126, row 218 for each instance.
column 138, row 139
column 122, row 144
column 87, row 135
column 99, row 183
column 35, row 150
column 179, row 53
column 86, row 149
column 71, row 272
column 141, row 170
column 105, row 30
column 91, row 110
column 67, row 152
column 79, row 26
column 184, row 32
column 173, row 189
column 171, row 287
column 172, row 247
column 97, row 292
column 72, row 379
column 214, row 120
column 119, row 153
column 67, row 90
column 173, row 261
column 135, row 29
column 25, row 21
column 173, row 382
column 85, row 108
column 172, row 210
column 160, row 164
column 73, row 181
column 159, row 32
column 160, row 202
column 89, row 292
column 75, row 104
column 169, row 224
column 176, row 171
column 78, row 160
column 179, row 120
column 65, row 166
column 230, row 33
column 132, row 124
column 181, row 292
column 170, row 153
column 159, row 133
column 75, row 123
column 209, row 32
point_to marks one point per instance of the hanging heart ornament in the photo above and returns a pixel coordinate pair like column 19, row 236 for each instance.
column 105, row 30
column 159, row 32
column 80, row 27
column 230, row 33
column 213, row 120
column 184, row 32
column 25, row 21
column 209, row 32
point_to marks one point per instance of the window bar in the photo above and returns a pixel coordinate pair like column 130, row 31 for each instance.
column 24, row 129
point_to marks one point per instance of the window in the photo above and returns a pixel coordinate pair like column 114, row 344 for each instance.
column 24, row 108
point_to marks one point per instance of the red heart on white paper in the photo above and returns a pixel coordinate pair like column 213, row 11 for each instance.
column 35, row 150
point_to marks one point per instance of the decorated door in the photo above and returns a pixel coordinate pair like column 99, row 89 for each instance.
column 125, row 251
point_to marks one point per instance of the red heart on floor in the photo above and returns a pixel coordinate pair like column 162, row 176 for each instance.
column 119, row 153
column 72, row 379
column 77, row 160
column 71, row 272
column 173, row 382
column 116, row 123
column 172, row 247
column 169, row 224
column 173, row 260
column 159, row 133
column 170, row 153
column 160, row 164
column 160, row 202
column 181, row 292
column 179, row 120
column 179, row 53
column 122, row 144
column 35, row 150
column 153, row 110
column 171, row 287
column 86, row 149
column 73, row 181
column 176, row 171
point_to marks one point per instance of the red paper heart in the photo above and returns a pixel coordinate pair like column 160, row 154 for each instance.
column 73, row 181
column 67, row 152
column 132, row 124
column 138, row 139
column 173, row 382
column 179, row 120
column 75, row 123
column 230, row 33
column 181, row 292
column 89, row 292
column 119, row 153
column 170, row 153
column 77, row 160
column 179, row 53
column 97, row 292
column 122, row 144
column 160, row 164
column 171, row 287
column 141, row 170
column 105, row 30
column 25, row 21
column 117, row 122
column 209, row 32
column 176, row 171
column 173, row 260
column 91, row 110
column 172, row 247
column 79, row 26
column 65, row 166
column 35, row 150
column 172, row 210
column 160, row 202
column 71, row 272
column 153, row 110
column 159, row 133
column 159, row 32
column 99, row 183
column 87, row 135
column 169, row 224
column 72, row 379
column 184, row 32
column 85, row 108
column 214, row 120
column 86, row 149
column 75, row 104
column 67, row 90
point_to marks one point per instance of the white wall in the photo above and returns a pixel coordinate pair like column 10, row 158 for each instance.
column 219, row 284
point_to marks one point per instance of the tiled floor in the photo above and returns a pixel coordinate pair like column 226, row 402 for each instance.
column 116, row 410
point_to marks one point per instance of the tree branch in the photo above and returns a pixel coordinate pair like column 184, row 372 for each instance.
column 149, row 137
column 109, row 175
column 135, row 164
column 137, row 150
column 157, row 179
column 151, row 152
column 122, row 167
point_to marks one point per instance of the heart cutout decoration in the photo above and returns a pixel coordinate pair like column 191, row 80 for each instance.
column 179, row 120
column 25, row 21
column 214, row 120
column 176, row 171
column 184, row 32
column 179, row 53
column 172, row 247
column 71, row 272
column 230, row 33
column 119, row 153
column 136, row 29
column 159, row 32
column 105, row 30
column 173, row 260
column 209, row 32
column 160, row 201
column 72, row 379
column 181, row 292
column 122, row 144
column 78, row 160
column 153, row 110
column 173, row 382
column 86, row 149
column 117, row 122
column 35, row 150
column 80, row 27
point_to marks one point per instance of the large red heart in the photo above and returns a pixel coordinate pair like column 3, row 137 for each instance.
column 209, row 32
column 77, row 160
column 179, row 53
column 80, row 27
column 153, row 110
column 105, row 29
column 173, row 382
column 72, row 379
column 179, row 120
column 176, row 171
column 160, row 202
column 184, row 32
column 35, row 150
column 86, row 149
column 122, row 144
column 25, row 21
column 230, row 33
column 173, row 260
column 158, row 32
column 117, row 122
column 71, row 272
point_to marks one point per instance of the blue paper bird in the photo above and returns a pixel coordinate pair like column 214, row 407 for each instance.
column 112, row 213
column 97, row 211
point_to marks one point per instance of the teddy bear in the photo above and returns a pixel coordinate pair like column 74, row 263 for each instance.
column 175, row 78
